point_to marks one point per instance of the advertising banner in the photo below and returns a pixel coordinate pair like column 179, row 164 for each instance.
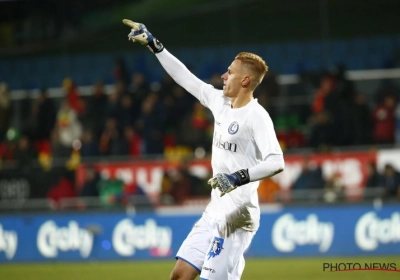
column 100, row 236
column 334, row 231
column 16, row 184
column 301, row 231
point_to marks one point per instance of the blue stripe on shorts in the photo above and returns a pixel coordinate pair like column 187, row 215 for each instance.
column 177, row 257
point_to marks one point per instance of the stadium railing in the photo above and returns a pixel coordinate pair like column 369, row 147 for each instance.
column 132, row 203
column 330, row 196
column 140, row 203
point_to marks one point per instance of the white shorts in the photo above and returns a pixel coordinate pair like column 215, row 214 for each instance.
column 215, row 249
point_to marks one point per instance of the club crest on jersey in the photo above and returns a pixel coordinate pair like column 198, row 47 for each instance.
column 216, row 247
column 233, row 128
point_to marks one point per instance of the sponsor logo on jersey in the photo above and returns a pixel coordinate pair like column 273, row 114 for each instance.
column 129, row 237
column 51, row 239
column 233, row 128
column 209, row 269
column 8, row 242
column 225, row 145
column 371, row 231
column 216, row 247
column 287, row 233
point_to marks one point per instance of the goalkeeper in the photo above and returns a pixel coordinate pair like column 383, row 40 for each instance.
column 245, row 150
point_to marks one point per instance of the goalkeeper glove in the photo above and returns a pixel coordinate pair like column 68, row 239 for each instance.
column 228, row 182
column 140, row 34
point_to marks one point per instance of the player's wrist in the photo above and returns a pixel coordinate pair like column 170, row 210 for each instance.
column 155, row 46
column 241, row 177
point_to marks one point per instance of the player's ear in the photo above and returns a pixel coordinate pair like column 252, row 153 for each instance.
column 246, row 81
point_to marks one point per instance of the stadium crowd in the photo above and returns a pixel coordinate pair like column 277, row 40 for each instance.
column 137, row 118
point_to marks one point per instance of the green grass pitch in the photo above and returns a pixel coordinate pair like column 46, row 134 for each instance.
column 256, row 269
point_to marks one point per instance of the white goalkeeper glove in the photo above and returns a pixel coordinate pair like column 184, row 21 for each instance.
column 139, row 33
column 228, row 182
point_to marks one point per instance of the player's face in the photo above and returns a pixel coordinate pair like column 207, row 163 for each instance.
column 232, row 79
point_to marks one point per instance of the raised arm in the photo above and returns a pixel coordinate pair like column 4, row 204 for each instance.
column 176, row 69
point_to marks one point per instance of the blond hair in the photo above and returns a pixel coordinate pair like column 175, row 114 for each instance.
column 255, row 64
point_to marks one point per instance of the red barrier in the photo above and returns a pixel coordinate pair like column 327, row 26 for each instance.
column 350, row 169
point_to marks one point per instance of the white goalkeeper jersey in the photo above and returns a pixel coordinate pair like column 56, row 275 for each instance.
column 244, row 138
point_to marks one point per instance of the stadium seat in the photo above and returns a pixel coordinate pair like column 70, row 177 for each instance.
column 376, row 61
column 356, row 62
column 273, row 57
column 382, row 46
column 294, row 52
column 314, row 50
column 289, row 67
column 396, row 42
column 359, row 47
column 338, row 51
column 3, row 69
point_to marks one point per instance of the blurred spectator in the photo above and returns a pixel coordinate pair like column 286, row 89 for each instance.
column 270, row 85
column 302, row 87
column 183, row 101
column 343, row 86
column 386, row 88
column 194, row 130
column 322, row 133
column 301, row 91
column 188, row 184
column 151, row 127
column 361, row 121
column 126, row 113
column 374, row 179
column 334, row 189
column 10, row 145
column 64, row 188
column 384, row 121
column 58, row 149
column 131, row 143
column 110, row 139
column 267, row 190
column 179, row 183
column 200, row 117
column 397, row 131
column 390, row 180
column 25, row 154
column 138, row 88
column 120, row 71
column 96, row 109
column 166, row 87
column 112, row 104
column 90, row 145
column 90, row 188
column 134, row 197
column 326, row 87
column 166, row 195
column 165, row 108
column 310, row 176
column 45, row 113
column 72, row 96
column 184, row 183
column 110, row 191
column 68, row 125
column 336, row 99
column 6, row 111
